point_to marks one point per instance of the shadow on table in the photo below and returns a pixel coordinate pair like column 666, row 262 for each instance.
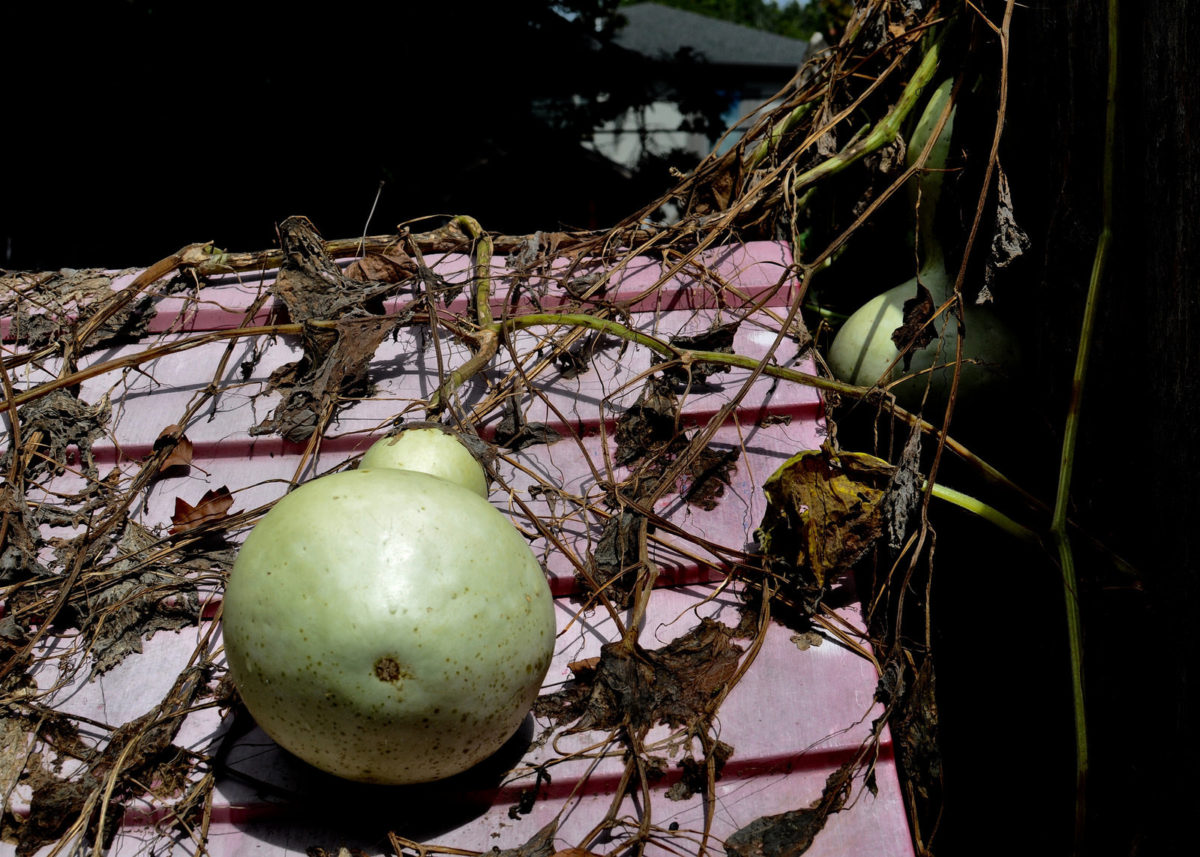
column 285, row 802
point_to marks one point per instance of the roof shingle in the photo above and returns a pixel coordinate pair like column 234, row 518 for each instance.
column 659, row 32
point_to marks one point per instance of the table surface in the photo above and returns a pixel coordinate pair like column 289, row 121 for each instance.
column 803, row 707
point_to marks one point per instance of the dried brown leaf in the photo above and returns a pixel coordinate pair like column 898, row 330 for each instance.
column 650, row 423
column 15, row 744
column 612, row 563
column 768, row 420
column 718, row 338
column 709, row 473
column 139, row 747
column 1009, row 240
column 789, row 834
column 60, row 420
column 635, row 687
column 181, row 448
column 784, row 835
column 213, row 506
column 143, row 598
column 904, row 490
column 694, row 772
column 336, row 358
column 516, row 433
column 713, row 188
column 382, row 268
column 310, row 283
column 915, row 332
column 336, row 364
column 21, row 537
column 585, row 667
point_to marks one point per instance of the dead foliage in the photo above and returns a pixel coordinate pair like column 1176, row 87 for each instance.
column 649, row 425
column 51, row 425
column 336, row 357
column 179, row 449
column 145, row 596
column 21, row 538
column 793, row 832
column 632, row 688
column 516, row 433
column 693, row 778
column 824, row 512
column 915, row 332
column 212, row 507
column 616, row 560
column 718, row 339
column 138, row 751
column 650, row 439
column 61, row 303
column 85, row 582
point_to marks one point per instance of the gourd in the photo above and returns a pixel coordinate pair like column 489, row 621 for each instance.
column 387, row 625
column 863, row 352
column 428, row 450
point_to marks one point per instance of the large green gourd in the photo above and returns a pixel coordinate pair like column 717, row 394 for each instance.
column 388, row 625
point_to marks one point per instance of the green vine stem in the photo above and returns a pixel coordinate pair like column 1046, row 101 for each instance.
column 885, row 130
column 481, row 259
column 1058, row 527
column 602, row 325
column 487, row 341
column 614, row 328
column 686, row 356
column 776, row 134
column 982, row 510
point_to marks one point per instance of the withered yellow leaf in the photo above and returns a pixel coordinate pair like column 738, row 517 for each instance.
column 823, row 512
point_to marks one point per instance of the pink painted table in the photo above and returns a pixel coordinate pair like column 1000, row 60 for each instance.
column 803, row 708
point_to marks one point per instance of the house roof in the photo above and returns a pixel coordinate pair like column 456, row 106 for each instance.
column 660, row 32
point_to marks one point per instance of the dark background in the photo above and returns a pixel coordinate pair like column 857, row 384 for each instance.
column 132, row 129
column 1140, row 444
column 999, row 615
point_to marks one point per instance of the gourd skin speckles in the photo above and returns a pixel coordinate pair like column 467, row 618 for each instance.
column 361, row 653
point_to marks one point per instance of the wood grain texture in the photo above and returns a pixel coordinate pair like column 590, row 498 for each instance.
column 1139, row 443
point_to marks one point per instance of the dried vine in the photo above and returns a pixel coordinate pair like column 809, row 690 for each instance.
column 105, row 579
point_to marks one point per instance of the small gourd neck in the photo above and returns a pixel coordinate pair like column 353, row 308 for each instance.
column 926, row 191
column 933, row 274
